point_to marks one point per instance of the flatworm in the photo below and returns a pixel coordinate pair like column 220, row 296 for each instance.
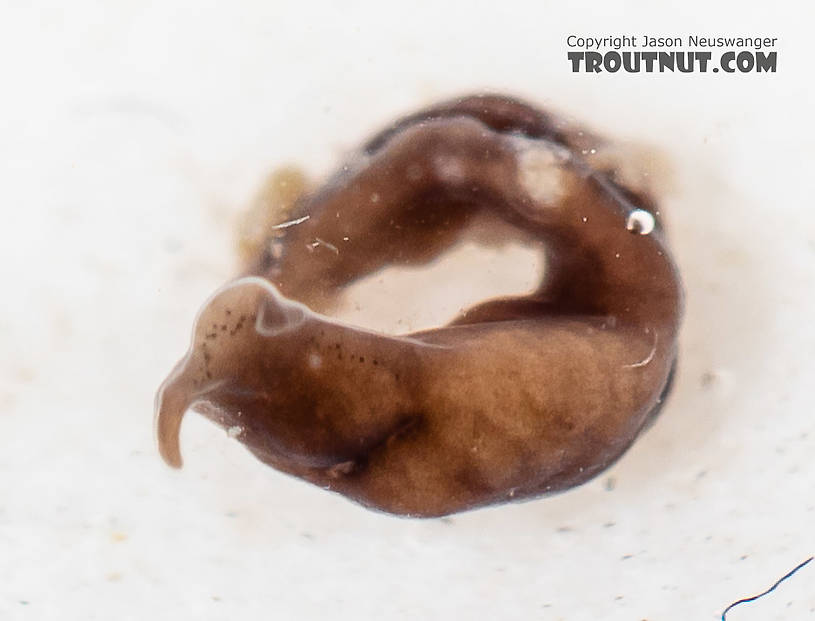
column 518, row 398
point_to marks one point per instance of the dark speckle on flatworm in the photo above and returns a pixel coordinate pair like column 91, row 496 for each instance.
column 518, row 398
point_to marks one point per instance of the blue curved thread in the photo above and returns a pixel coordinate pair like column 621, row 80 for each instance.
column 770, row 590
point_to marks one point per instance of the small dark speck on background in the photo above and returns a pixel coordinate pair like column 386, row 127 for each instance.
column 611, row 483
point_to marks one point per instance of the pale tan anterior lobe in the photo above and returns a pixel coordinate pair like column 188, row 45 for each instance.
column 518, row 398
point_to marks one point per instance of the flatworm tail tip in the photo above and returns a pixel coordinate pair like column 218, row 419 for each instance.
column 169, row 412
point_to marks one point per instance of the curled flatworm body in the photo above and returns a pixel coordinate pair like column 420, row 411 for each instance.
column 519, row 397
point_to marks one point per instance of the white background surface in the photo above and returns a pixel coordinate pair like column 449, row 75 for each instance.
column 131, row 136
